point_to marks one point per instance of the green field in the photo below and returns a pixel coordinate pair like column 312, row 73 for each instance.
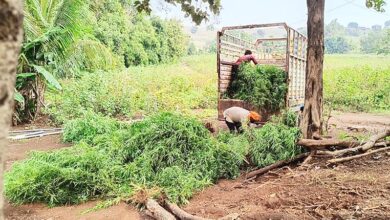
column 351, row 83
column 357, row 82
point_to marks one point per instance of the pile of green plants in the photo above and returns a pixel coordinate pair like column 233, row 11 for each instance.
column 262, row 86
column 272, row 143
column 171, row 152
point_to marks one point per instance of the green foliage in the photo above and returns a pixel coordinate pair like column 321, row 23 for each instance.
column 88, row 127
column 336, row 45
column 385, row 43
column 70, row 175
column 262, row 86
column 137, row 39
column 357, row 83
column 50, row 79
column 376, row 4
column 195, row 10
column 334, row 29
column 139, row 90
column 272, row 143
column 169, row 151
column 286, row 117
column 370, row 43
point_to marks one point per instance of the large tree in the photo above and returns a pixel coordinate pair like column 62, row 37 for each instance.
column 311, row 123
column 312, row 115
column 11, row 17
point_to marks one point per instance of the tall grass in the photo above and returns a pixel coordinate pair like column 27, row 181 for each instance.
column 186, row 86
column 357, row 83
column 189, row 86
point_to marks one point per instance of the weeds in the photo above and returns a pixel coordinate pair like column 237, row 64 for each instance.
column 185, row 87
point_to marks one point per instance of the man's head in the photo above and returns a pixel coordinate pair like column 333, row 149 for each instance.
column 254, row 117
column 248, row 52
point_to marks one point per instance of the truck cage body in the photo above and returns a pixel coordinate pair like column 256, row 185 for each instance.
column 287, row 52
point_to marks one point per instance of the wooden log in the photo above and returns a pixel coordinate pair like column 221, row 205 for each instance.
column 181, row 214
column 321, row 144
column 371, row 142
column 158, row 212
column 368, row 145
column 344, row 159
column 330, row 153
column 276, row 165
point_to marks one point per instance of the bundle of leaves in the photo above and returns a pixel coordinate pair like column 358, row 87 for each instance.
column 272, row 143
column 88, row 127
column 171, row 152
column 286, row 117
column 262, row 86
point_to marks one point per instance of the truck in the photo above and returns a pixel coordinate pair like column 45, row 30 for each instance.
column 273, row 44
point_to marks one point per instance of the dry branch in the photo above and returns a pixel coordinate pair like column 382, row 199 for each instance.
column 181, row 214
column 331, row 153
column 344, row 159
column 309, row 158
column 275, row 165
column 368, row 145
column 158, row 212
column 321, row 144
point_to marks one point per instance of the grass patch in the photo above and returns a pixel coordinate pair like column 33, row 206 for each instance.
column 184, row 87
column 357, row 83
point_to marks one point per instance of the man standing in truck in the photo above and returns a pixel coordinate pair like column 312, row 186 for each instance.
column 248, row 56
column 236, row 116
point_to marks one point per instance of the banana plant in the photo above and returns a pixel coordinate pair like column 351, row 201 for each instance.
column 50, row 27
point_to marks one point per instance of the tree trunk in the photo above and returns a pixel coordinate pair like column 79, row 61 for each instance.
column 11, row 19
column 312, row 124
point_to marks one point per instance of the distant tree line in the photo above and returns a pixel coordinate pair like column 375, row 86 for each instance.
column 355, row 38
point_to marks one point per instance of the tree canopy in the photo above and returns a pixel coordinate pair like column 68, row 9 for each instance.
column 376, row 4
column 198, row 13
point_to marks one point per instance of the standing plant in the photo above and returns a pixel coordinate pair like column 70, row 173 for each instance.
column 50, row 26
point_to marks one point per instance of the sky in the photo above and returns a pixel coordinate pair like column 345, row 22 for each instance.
column 293, row 12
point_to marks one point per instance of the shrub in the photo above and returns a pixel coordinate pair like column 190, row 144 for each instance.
column 138, row 91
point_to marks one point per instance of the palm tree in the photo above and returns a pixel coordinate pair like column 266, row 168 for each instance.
column 50, row 28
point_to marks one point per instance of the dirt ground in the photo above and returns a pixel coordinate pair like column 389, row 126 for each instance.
column 356, row 190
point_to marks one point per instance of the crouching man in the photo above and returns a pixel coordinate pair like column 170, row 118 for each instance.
column 236, row 116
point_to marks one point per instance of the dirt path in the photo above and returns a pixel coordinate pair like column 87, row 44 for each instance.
column 356, row 190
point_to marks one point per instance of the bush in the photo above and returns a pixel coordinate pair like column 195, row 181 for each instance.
column 262, row 86
column 138, row 91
